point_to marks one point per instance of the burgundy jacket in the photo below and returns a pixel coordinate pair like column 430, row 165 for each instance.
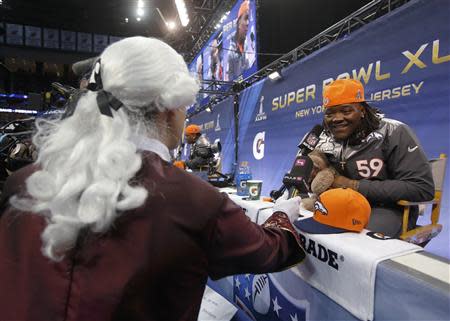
column 151, row 265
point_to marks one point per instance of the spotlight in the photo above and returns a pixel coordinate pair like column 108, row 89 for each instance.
column 140, row 12
column 171, row 25
column 182, row 12
column 275, row 76
column 138, row 19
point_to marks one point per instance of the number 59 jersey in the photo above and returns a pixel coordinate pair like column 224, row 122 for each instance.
column 389, row 163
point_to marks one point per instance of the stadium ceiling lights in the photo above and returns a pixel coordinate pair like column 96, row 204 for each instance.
column 224, row 17
column 140, row 9
column 182, row 12
column 171, row 25
column 275, row 76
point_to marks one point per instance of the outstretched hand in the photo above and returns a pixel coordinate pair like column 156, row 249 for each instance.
column 289, row 206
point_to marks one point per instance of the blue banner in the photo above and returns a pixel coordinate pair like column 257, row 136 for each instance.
column 262, row 298
column 403, row 60
column 218, row 125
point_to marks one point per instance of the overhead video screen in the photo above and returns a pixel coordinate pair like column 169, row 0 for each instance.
column 231, row 52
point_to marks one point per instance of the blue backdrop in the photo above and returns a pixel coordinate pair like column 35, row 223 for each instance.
column 219, row 125
column 403, row 60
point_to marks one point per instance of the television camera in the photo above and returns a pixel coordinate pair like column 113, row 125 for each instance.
column 16, row 148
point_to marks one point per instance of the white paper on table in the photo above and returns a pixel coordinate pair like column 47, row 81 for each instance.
column 215, row 307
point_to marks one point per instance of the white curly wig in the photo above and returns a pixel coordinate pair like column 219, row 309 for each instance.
column 86, row 161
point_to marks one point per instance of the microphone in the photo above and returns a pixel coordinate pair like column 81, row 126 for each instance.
column 252, row 38
column 310, row 140
column 296, row 181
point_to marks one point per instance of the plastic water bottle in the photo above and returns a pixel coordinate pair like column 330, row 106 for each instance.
column 244, row 174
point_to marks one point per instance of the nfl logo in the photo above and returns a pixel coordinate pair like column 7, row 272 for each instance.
column 326, row 100
column 312, row 140
column 358, row 95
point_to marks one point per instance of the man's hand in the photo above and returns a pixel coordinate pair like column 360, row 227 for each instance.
column 342, row 181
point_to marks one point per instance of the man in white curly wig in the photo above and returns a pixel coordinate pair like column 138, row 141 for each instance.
column 104, row 227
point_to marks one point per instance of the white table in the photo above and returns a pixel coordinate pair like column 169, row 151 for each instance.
column 411, row 287
column 258, row 211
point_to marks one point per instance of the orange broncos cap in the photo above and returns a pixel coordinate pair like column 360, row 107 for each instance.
column 179, row 164
column 336, row 211
column 343, row 91
column 192, row 129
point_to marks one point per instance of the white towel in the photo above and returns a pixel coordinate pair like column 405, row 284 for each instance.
column 343, row 266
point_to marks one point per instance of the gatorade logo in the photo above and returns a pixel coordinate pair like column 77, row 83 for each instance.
column 253, row 191
column 258, row 145
column 320, row 252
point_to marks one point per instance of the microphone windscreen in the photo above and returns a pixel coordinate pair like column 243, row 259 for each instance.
column 317, row 130
column 311, row 139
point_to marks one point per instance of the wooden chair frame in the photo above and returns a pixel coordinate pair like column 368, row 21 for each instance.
column 422, row 234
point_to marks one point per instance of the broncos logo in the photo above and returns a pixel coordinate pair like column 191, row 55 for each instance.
column 318, row 206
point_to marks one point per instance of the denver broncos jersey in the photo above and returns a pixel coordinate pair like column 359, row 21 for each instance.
column 200, row 154
column 389, row 163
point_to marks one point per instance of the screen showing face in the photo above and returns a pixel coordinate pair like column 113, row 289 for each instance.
column 230, row 53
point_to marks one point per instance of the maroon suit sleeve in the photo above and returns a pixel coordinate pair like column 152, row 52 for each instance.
column 236, row 245
column 15, row 184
